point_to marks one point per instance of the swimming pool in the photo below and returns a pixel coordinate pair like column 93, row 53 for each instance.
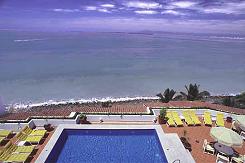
column 107, row 145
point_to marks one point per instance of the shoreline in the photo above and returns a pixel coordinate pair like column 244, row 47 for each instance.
column 23, row 105
column 95, row 102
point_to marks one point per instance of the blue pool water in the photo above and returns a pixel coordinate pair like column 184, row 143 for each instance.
column 93, row 146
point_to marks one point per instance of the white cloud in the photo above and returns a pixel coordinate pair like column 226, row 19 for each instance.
column 108, row 5
column 143, row 5
column 90, row 8
column 147, row 12
column 172, row 12
column 183, row 4
column 217, row 10
column 103, row 10
column 227, row 8
column 66, row 10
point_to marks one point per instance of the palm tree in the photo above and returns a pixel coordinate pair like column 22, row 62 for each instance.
column 167, row 95
column 193, row 93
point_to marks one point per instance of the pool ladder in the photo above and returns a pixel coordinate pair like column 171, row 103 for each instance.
column 177, row 160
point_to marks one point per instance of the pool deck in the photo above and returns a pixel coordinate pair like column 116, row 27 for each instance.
column 172, row 146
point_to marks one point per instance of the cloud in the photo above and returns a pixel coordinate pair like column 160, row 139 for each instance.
column 146, row 12
column 183, row 4
column 172, row 12
column 90, row 8
column 226, row 8
column 143, row 5
column 66, row 10
column 103, row 10
column 180, row 4
column 107, row 5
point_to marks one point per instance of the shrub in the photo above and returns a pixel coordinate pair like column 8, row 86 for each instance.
column 83, row 117
column 106, row 104
column 163, row 113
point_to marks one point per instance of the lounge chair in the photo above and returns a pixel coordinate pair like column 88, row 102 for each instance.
column 239, row 159
column 18, row 149
column 4, row 155
column 14, row 153
column 207, row 118
column 207, row 148
column 243, row 135
column 194, row 117
column 220, row 120
column 1, row 139
column 170, row 121
column 188, row 119
column 20, row 157
column 177, row 119
column 5, row 133
column 27, row 130
column 29, row 138
column 222, row 159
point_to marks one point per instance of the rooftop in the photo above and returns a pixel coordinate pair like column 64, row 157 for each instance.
column 119, row 107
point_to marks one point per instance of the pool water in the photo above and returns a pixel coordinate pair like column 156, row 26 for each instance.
column 93, row 145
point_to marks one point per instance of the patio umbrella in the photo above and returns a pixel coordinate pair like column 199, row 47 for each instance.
column 226, row 136
column 240, row 120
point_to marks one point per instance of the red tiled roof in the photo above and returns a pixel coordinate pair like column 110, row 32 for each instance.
column 126, row 107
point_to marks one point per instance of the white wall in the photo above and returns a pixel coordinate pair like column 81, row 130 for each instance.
column 105, row 118
column 110, row 118
column 13, row 126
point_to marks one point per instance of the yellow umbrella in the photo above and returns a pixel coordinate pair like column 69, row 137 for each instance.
column 226, row 136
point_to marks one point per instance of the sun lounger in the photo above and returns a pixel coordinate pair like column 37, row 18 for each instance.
column 222, row 159
column 20, row 157
column 239, row 159
column 29, row 138
column 18, row 149
column 170, row 121
column 220, row 120
column 1, row 139
column 27, row 130
column 5, row 133
column 243, row 135
column 177, row 119
column 14, row 153
column 207, row 148
column 194, row 117
column 188, row 119
column 4, row 155
column 207, row 118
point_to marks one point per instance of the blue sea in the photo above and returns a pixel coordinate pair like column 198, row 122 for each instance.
column 41, row 66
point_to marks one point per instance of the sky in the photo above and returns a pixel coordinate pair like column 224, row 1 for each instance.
column 199, row 16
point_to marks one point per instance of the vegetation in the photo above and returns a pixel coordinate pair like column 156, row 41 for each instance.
column 162, row 115
column 229, row 101
column 106, row 104
column 235, row 101
column 167, row 95
column 193, row 93
column 83, row 117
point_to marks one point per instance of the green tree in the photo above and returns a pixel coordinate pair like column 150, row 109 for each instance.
column 193, row 92
column 167, row 95
column 240, row 100
column 228, row 101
